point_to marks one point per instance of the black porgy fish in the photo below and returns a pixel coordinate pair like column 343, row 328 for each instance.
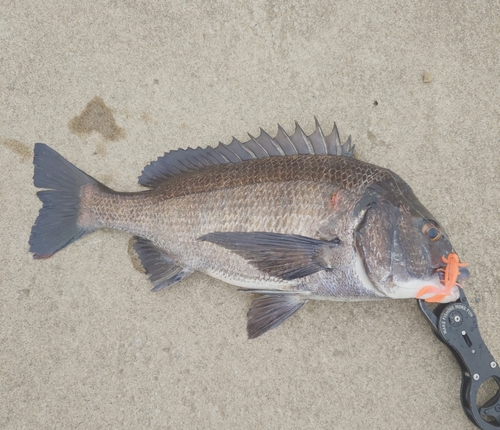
column 291, row 218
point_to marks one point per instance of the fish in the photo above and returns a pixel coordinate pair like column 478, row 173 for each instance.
column 290, row 218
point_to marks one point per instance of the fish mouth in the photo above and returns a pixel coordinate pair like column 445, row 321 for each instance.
column 448, row 291
column 409, row 288
column 424, row 289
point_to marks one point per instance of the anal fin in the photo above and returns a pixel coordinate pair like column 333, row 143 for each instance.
column 269, row 311
column 161, row 270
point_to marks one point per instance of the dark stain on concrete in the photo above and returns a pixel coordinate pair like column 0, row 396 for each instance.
column 134, row 257
column 96, row 117
column 18, row 147
column 146, row 119
column 101, row 150
column 375, row 141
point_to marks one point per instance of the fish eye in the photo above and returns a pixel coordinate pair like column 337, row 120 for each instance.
column 431, row 230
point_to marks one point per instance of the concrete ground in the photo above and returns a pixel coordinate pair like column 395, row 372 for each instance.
column 113, row 84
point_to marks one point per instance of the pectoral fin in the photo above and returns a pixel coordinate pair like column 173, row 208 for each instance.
column 284, row 256
column 269, row 311
column 161, row 270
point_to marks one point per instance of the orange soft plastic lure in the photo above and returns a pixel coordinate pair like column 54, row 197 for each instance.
column 451, row 272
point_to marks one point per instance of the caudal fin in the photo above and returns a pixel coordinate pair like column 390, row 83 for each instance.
column 56, row 225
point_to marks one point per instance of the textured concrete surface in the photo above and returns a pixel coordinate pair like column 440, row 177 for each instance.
column 113, row 84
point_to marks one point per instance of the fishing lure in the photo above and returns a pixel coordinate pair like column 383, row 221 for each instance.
column 451, row 273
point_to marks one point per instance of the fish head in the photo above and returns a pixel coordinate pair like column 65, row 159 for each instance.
column 402, row 246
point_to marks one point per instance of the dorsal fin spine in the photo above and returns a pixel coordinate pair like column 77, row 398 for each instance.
column 186, row 167
column 226, row 160
column 176, row 168
column 347, row 146
column 334, row 140
column 250, row 152
column 273, row 142
column 338, row 142
column 258, row 144
column 227, row 149
column 299, row 143
column 320, row 132
column 213, row 157
column 280, row 128
column 239, row 149
column 204, row 157
column 305, row 138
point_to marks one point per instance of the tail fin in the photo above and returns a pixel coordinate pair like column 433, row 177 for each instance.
column 56, row 225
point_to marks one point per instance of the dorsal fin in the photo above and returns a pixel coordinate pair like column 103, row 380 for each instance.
column 262, row 146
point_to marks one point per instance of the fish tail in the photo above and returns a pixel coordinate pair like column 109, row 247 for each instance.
column 57, row 223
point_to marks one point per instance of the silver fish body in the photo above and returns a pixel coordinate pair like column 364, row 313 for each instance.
column 292, row 218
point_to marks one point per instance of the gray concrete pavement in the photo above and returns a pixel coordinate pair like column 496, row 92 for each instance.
column 84, row 344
